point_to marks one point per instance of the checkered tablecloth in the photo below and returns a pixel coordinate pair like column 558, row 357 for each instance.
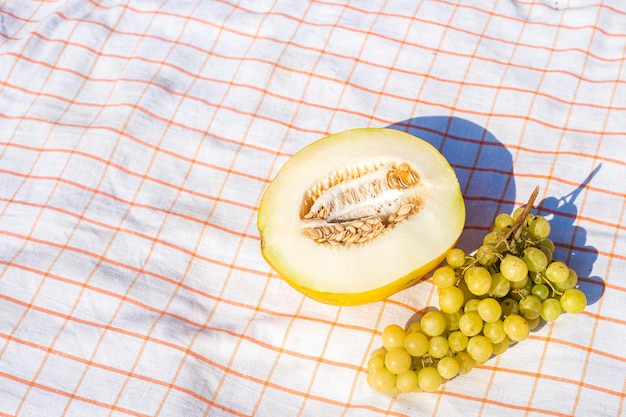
column 137, row 138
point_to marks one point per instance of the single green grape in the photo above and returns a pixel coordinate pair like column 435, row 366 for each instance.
column 470, row 323
column 541, row 291
column 551, row 309
column 448, row 367
column 478, row 280
column 486, row 255
column 429, row 378
column 471, row 305
column 492, row 237
column 489, row 309
column 557, row 272
column 398, row 360
column 381, row 379
column 450, row 299
column 516, row 327
column 393, row 336
column 513, row 268
column 433, row 323
column 414, row 327
column 494, row 331
column 573, row 301
column 370, row 377
column 438, row 346
column 407, row 381
column 503, row 222
column 455, row 257
column 570, row 282
column 457, row 341
column 479, row 348
column 500, row 286
column 517, row 213
column 416, row 343
column 539, row 227
column 376, row 361
column 444, row 276
column 381, row 351
column 530, row 307
column 535, row 259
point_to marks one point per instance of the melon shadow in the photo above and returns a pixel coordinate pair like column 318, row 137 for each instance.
column 483, row 165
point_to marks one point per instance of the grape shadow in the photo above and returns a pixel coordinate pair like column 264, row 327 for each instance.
column 570, row 240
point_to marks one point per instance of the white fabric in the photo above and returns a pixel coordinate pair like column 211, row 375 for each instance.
column 137, row 138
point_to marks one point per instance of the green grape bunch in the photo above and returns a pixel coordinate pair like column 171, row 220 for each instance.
column 488, row 300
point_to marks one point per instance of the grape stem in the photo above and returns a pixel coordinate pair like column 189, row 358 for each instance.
column 516, row 228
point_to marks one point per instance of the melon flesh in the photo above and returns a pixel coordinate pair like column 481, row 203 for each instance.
column 358, row 273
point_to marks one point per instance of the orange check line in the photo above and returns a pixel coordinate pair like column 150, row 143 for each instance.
column 134, row 204
column 65, row 394
column 408, row 99
column 599, row 158
column 279, row 96
column 153, row 115
column 135, row 174
column 126, row 230
column 605, row 285
column 501, row 16
column 578, row 346
column 197, row 356
column 190, row 160
column 368, row 90
column 604, row 6
column 535, row 375
column 120, row 264
column 373, row 34
column 553, row 179
column 187, row 288
column 616, row 226
column 112, row 369
column 503, row 405
column 125, row 134
column 196, row 325
column 251, row 146
column 379, row 35
column 491, row 38
column 125, row 170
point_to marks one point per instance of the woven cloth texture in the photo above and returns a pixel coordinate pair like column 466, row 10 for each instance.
column 137, row 138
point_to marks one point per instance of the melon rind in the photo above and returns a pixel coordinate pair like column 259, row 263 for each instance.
column 372, row 271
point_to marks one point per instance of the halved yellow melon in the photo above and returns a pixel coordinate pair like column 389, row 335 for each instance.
column 360, row 215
